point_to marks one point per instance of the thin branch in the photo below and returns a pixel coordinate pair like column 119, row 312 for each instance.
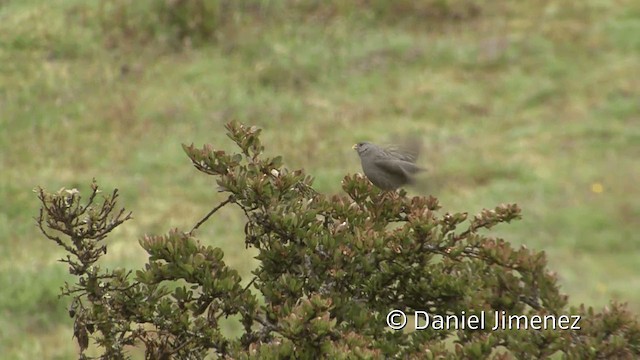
column 229, row 199
column 249, row 284
column 175, row 350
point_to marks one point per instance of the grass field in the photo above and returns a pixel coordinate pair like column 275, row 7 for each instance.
column 533, row 102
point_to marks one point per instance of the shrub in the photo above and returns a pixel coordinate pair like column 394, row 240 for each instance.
column 331, row 268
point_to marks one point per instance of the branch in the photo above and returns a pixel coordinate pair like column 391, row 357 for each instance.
column 229, row 199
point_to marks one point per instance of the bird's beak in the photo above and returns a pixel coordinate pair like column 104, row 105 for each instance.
column 354, row 146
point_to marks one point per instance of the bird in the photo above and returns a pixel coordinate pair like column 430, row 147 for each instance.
column 389, row 168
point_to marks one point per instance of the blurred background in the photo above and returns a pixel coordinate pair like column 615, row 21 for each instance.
column 533, row 102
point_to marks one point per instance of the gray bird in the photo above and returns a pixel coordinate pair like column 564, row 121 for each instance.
column 391, row 167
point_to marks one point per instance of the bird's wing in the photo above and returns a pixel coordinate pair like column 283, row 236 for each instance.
column 399, row 167
column 407, row 148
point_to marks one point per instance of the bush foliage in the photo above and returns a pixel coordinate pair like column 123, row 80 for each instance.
column 330, row 270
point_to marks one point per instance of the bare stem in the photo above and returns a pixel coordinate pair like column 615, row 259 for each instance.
column 229, row 199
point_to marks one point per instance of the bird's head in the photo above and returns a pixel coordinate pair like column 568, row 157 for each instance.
column 362, row 147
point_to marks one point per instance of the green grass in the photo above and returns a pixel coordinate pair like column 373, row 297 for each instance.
column 527, row 102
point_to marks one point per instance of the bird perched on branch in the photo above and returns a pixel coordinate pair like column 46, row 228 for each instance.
column 390, row 167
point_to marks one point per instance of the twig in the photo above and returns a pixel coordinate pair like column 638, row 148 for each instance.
column 249, row 284
column 229, row 199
